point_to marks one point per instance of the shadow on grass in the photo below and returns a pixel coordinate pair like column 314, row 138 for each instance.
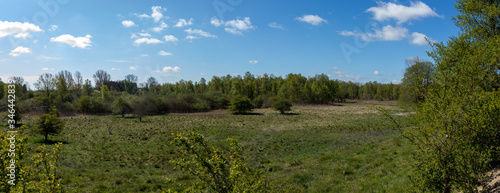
column 50, row 141
column 238, row 113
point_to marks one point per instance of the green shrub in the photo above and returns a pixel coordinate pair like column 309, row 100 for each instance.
column 146, row 105
column 49, row 123
column 216, row 99
column 216, row 170
column 282, row 105
column 36, row 174
column 121, row 107
column 92, row 105
column 240, row 104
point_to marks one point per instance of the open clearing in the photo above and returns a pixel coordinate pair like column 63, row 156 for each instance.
column 320, row 148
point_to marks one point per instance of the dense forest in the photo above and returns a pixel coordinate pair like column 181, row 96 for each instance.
column 70, row 93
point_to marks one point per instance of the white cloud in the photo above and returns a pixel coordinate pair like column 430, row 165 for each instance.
column 42, row 57
column 200, row 33
column 81, row 42
column 387, row 33
column 45, row 68
column 190, row 37
column 53, row 27
column 170, row 38
column 163, row 53
column 216, row 22
column 169, row 69
column 20, row 50
column 276, row 25
column 35, row 41
column 115, row 69
column 337, row 70
column 183, row 22
column 144, row 55
column 253, row 61
column 419, row 39
column 236, row 26
column 376, row 72
column 348, row 33
column 160, row 28
column 128, row 23
column 147, row 41
column 157, row 15
column 22, row 35
column 145, row 34
column 18, row 29
column 133, row 68
column 133, row 36
column 312, row 19
column 143, row 16
column 385, row 11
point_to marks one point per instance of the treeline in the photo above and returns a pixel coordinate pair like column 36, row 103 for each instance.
column 70, row 93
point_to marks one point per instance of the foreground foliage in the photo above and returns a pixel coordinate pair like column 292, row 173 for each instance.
column 38, row 173
column 457, row 131
column 217, row 170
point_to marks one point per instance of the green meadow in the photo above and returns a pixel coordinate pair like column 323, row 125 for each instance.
column 347, row 147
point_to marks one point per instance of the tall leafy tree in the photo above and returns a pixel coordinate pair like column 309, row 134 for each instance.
column 101, row 77
column 417, row 80
column 46, row 84
column 457, row 134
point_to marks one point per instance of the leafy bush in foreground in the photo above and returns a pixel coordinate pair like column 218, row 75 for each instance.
column 37, row 174
column 216, row 170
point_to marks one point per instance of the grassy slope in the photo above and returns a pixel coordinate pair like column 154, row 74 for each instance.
column 346, row 148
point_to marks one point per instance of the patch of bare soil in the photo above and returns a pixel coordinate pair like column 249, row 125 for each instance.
column 403, row 114
column 493, row 184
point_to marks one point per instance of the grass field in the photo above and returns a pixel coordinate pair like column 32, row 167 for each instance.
column 335, row 148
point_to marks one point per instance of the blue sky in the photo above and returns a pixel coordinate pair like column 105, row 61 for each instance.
column 171, row 40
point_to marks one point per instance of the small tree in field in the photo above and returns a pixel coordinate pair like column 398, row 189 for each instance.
column 240, row 104
column 50, row 123
column 282, row 105
column 122, row 107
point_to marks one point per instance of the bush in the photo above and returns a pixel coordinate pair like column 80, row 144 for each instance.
column 216, row 99
column 175, row 104
column 121, row 107
column 240, row 104
column 282, row 105
column 258, row 101
column 146, row 105
column 49, row 123
column 92, row 105
column 36, row 174
column 216, row 170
